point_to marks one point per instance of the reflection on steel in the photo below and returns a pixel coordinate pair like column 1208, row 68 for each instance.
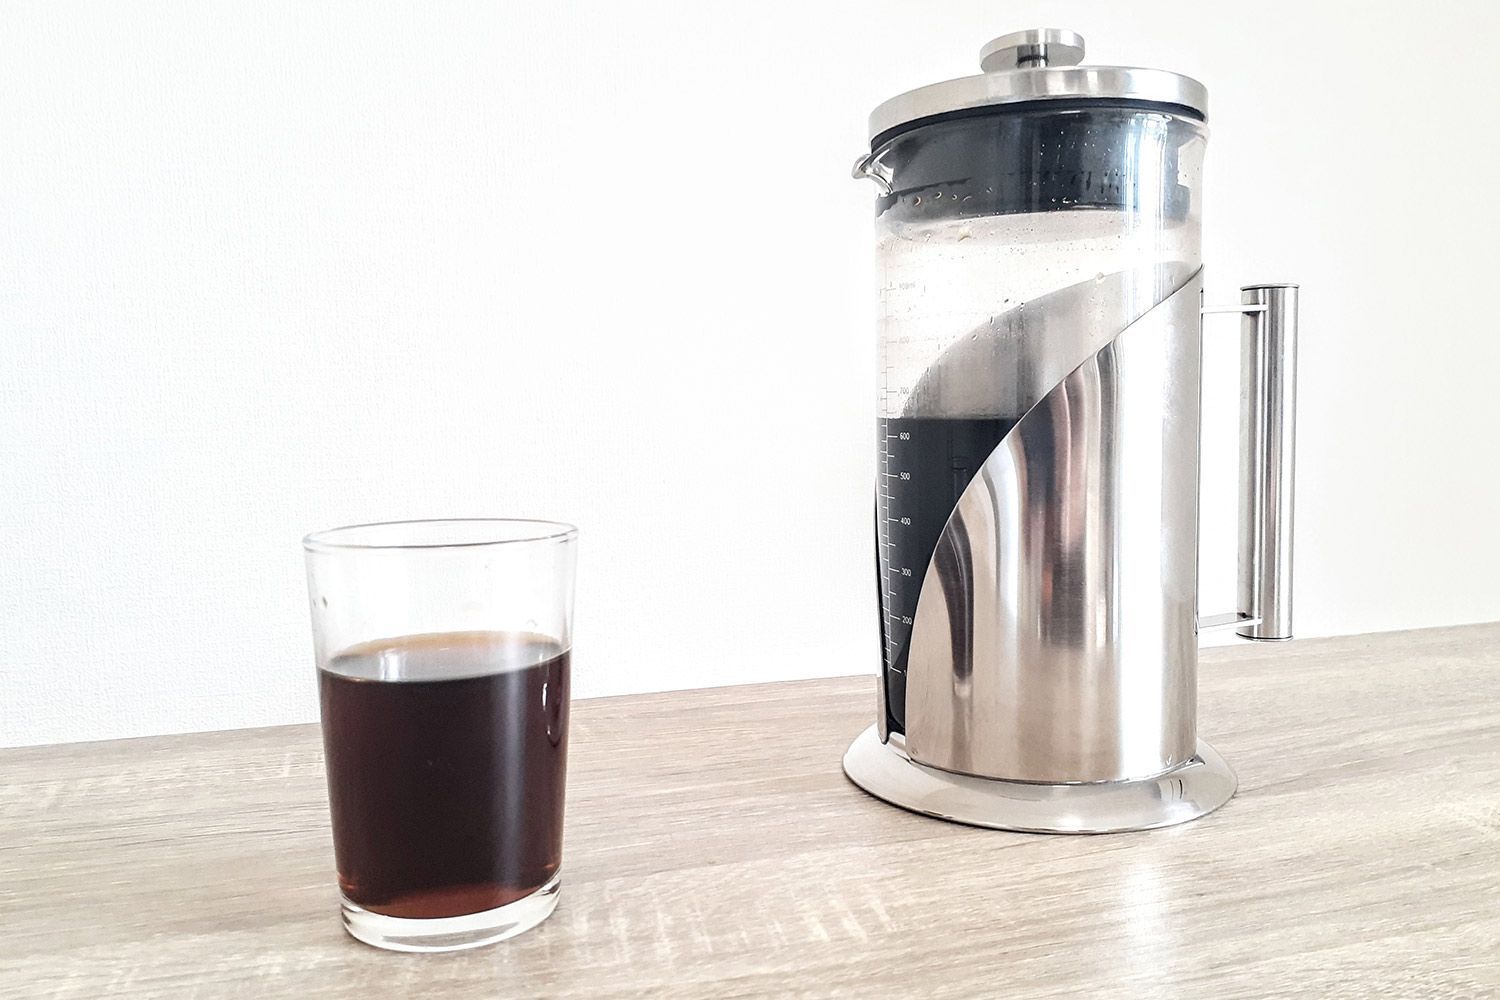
column 1005, row 366
column 1055, row 637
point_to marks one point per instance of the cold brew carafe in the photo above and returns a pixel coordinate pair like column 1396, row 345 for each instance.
column 1038, row 232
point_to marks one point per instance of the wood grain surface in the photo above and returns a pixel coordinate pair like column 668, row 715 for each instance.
column 714, row 849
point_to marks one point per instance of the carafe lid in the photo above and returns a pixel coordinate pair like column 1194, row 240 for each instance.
column 1039, row 64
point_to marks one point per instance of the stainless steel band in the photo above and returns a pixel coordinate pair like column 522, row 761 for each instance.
column 1058, row 642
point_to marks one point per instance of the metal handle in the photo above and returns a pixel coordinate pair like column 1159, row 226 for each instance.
column 1268, row 432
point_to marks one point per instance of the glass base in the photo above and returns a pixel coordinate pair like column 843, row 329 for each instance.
column 472, row 930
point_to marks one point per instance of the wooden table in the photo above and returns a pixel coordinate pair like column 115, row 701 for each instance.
column 714, row 849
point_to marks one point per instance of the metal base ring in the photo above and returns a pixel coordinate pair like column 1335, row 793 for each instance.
column 1194, row 789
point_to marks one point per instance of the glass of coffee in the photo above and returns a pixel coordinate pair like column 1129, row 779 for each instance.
column 442, row 651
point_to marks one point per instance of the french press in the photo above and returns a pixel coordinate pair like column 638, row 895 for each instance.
column 1038, row 244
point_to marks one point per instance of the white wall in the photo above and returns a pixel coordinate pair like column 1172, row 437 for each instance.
column 267, row 267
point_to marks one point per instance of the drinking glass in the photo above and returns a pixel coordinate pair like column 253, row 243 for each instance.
column 443, row 651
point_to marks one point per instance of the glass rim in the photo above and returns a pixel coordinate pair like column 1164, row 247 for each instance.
column 328, row 539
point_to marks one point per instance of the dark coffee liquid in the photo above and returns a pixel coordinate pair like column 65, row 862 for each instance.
column 446, row 756
column 926, row 463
